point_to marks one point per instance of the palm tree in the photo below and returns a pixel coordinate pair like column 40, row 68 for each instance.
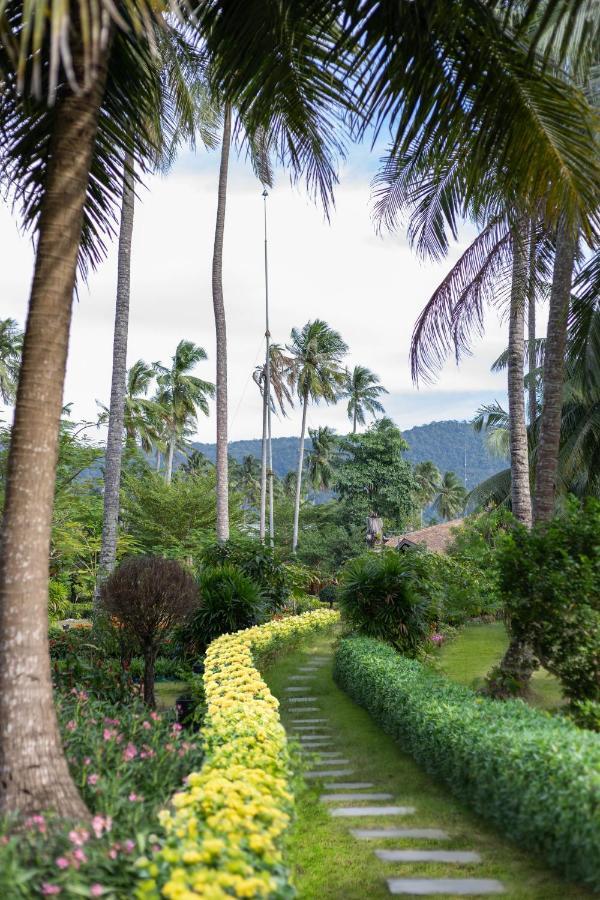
column 320, row 457
column 428, row 478
column 47, row 157
column 281, row 396
column 11, row 346
column 181, row 394
column 363, row 388
column 451, row 496
column 317, row 351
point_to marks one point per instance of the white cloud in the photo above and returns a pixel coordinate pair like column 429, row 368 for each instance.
column 370, row 288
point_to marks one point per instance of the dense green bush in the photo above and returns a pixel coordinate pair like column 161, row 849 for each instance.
column 258, row 562
column 550, row 584
column 229, row 601
column 384, row 595
column 533, row 775
column 329, row 594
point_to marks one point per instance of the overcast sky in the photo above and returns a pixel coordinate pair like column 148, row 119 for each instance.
column 370, row 288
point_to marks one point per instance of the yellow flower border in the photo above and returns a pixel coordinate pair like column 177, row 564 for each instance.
column 224, row 834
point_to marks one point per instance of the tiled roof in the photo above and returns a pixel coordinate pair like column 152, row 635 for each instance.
column 435, row 538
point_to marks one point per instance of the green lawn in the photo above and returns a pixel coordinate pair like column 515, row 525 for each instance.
column 168, row 691
column 469, row 656
column 329, row 864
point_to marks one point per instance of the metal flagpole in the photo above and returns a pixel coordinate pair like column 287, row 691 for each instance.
column 268, row 383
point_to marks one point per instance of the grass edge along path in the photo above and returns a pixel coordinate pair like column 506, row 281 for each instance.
column 328, row 863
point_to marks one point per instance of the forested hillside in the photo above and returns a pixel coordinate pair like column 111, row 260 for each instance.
column 442, row 442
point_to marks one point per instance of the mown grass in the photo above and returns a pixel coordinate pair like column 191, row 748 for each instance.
column 469, row 656
column 329, row 864
column 168, row 691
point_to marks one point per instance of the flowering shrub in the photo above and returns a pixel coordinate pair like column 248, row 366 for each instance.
column 532, row 775
column 126, row 762
column 224, row 833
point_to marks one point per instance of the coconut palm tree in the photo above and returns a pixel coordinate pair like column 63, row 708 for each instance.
column 281, row 397
column 428, row 478
column 451, row 496
column 362, row 389
column 320, row 457
column 318, row 352
column 76, row 121
column 180, row 395
column 11, row 345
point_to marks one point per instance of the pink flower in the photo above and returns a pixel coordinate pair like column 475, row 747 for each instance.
column 112, row 853
column 96, row 890
column 72, row 725
column 133, row 797
column 146, row 725
column 49, row 889
column 101, row 824
column 437, row 638
column 79, row 838
column 176, row 727
column 93, row 779
column 155, row 716
column 79, row 855
column 87, row 760
column 129, row 846
column 62, row 862
column 36, row 822
column 130, row 752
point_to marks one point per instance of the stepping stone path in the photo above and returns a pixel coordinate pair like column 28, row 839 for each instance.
column 313, row 738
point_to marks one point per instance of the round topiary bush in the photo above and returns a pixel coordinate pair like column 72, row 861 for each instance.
column 381, row 595
column 229, row 601
column 147, row 596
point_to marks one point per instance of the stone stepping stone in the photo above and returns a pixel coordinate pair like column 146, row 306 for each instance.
column 329, row 773
column 334, row 762
column 309, row 669
column 348, row 785
column 301, row 699
column 371, row 834
column 300, row 678
column 348, row 798
column 305, row 708
column 351, row 811
column 317, row 739
column 295, row 689
column 459, row 886
column 441, row 856
column 305, row 721
column 327, row 754
column 312, row 729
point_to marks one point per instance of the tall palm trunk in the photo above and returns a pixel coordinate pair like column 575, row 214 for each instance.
column 263, row 465
column 114, row 441
column 170, row 455
column 34, row 775
column 554, row 364
column 158, row 460
column 531, row 363
column 221, row 335
column 519, row 450
column 270, row 476
column 299, row 474
column 354, row 421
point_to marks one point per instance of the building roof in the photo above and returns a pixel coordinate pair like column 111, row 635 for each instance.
column 436, row 537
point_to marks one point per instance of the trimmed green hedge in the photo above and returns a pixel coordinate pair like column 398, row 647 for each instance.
column 534, row 776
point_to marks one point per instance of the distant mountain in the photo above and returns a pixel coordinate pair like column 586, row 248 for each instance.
column 444, row 443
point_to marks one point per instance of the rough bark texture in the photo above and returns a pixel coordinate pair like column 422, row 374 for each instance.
column 554, row 364
column 114, row 441
column 299, row 475
column 531, row 363
column 221, row 335
column 270, row 476
column 354, row 420
column 33, row 770
column 169, row 464
column 519, row 453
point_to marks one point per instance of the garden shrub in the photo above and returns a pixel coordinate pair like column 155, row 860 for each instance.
column 225, row 832
column 328, row 594
column 383, row 595
column 126, row 761
column 550, row 584
column 229, row 601
column 148, row 596
column 258, row 562
column 533, row 775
